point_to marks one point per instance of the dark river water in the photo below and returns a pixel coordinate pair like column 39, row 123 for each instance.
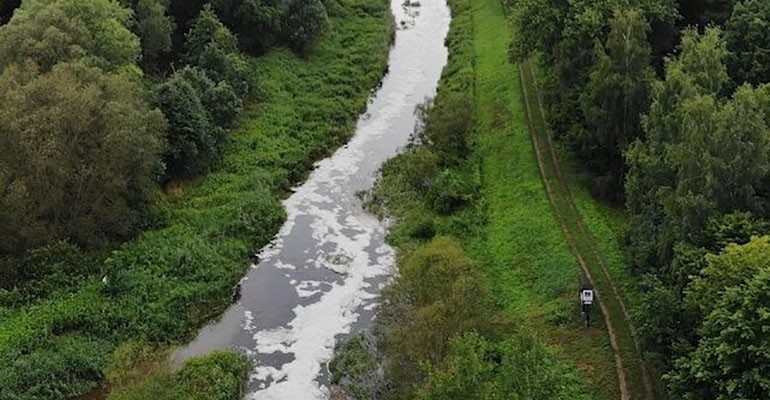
column 319, row 279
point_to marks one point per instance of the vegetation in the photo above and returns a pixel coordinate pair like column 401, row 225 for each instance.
column 59, row 321
column 693, row 173
column 219, row 376
column 507, row 274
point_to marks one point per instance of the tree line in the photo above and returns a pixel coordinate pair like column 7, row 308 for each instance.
column 103, row 102
column 670, row 113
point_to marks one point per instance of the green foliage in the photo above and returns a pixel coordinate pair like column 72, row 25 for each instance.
column 517, row 368
column 154, row 29
column 193, row 140
column 447, row 125
column 256, row 22
column 303, row 21
column 615, row 97
column 438, row 294
column 212, row 47
column 53, row 31
column 170, row 281
column 451, row 191
column 732, row 356
column 355, row 367
column 63, row 368
column 219, row 376
column 748, row 38
column 79, row 150
column 703, row 156
column 533, row 16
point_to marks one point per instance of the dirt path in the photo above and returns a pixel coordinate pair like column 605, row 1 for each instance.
column 622, row 334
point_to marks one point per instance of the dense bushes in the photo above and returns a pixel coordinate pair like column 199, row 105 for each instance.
column 169, row 281
column 516, row 368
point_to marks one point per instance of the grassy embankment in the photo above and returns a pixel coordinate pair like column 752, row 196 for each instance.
column 511, row 228
column 57, row 334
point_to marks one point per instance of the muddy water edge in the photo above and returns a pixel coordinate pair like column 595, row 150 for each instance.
column 319, row 279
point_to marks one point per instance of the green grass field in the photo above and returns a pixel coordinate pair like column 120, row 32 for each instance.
column 57, row 334
column 531, row 268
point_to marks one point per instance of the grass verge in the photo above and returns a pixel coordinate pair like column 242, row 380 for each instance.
column 57, row 334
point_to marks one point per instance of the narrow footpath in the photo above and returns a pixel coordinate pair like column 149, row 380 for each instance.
column 633, row 376
column 533, row 234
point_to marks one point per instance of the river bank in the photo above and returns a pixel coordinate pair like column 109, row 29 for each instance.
column 168, row 282
column 479, row 195
column 320, row 277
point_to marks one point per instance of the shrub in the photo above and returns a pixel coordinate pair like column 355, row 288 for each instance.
column 451, row 191
column 438, row 294
column 447, row 125
column 219, row 376
column 302, row 22
column 517, row 368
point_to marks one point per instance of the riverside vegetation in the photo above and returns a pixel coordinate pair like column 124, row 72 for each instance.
column 483, row 305
column 668, row 114
column 144, row 149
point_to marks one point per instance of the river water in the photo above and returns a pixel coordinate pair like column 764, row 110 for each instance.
column 320, row 277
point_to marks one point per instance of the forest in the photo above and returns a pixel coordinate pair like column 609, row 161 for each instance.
column 669, row 114
column 138, row 177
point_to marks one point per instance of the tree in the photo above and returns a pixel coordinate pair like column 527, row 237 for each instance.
column 219, row 99
column 154, row 29
column 704, row 12
column 542, row 16
column 78, row 155
column 615, row 97
column 256, row 22
column 732, row 358
column 748, row 38
column 665, row 191
column 193, row 139
column 303, row 21
column 52, row 31
column 439, row 294
column 212, row 47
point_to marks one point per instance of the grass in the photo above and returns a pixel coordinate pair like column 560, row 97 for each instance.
column 593, row 254
column 531, row 268
column 511, row 228
column 57, row 334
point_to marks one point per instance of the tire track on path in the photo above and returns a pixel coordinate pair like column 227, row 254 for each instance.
column 562, row 201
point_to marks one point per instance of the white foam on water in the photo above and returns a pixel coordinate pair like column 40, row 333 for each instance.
column 359, row 255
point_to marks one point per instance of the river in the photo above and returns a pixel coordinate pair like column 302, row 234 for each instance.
column 319, row 279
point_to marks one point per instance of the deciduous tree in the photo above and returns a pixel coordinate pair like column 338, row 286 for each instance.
column 78, row 155
column 53, row 31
